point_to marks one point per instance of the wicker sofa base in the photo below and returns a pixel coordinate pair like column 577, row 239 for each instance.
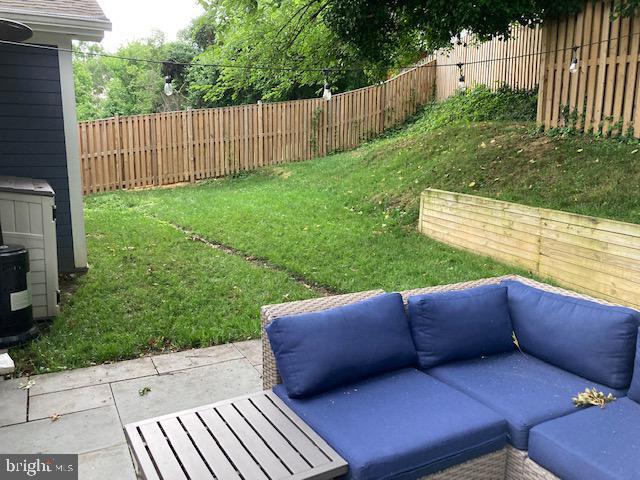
column 488, row 467
column 506, row 464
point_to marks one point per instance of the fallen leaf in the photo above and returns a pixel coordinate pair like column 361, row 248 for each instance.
column 580, row 150
column 516, row 342
column 592, row 397
column 143, row 391
column 634, row 151
column 55, row 417
column 472, row 184
column 27, row 385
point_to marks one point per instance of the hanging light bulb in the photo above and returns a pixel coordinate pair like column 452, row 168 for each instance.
column 326, row 91
column 168, row 86
column 573, row 67
column 461, row 82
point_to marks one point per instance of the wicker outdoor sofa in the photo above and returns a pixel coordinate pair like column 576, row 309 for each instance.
column 509, row 462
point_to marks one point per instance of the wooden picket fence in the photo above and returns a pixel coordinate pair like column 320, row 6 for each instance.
column 175, row 147
column 603, row 96
column 514, row 62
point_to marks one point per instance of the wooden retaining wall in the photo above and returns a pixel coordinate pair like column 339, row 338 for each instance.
column 175, row 147
column 595, row 256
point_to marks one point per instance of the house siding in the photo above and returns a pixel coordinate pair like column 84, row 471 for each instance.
column 32, row 137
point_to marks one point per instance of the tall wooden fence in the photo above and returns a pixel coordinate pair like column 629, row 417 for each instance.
column 596, row 256
column 174, row 147
column 514, row 62
column 603, row 96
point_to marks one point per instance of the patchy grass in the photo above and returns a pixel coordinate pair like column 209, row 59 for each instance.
column 344, row 223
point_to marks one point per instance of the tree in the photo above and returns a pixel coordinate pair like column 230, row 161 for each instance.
column 380, row 29
column 107, row 86
column 260, row 33
column 91, row 77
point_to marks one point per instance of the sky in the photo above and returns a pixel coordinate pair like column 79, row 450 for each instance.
column 133, row 19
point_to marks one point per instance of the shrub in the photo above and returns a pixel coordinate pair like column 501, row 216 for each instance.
column 480, row 104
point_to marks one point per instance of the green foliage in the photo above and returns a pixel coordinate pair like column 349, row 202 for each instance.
column 290, row 34
column 382, row 28
column 111, row 86
column 269, row 33
column 479, row 104
column 91, row 77
column 136, row 87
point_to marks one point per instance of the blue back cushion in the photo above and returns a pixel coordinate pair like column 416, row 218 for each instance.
column 589, row 339
column 319, row 351
column 460, row 325
column 634, row 390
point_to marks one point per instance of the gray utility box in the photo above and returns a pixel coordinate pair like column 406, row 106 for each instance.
column 27, row 214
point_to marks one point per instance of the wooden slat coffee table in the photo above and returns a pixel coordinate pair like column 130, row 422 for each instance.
column 254, row 437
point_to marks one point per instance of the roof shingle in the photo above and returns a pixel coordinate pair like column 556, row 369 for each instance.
column 80, row 9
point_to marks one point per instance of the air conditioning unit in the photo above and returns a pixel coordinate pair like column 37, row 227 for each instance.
column 28, row 218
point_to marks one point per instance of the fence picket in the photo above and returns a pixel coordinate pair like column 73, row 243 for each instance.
column 174, row 147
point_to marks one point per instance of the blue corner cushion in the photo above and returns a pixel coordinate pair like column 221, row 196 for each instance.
column 318, row 351
column 400, row 425
column 589, row 339
column 634, row 390
column 522, row 389
column 460, row 324
column 600, row 443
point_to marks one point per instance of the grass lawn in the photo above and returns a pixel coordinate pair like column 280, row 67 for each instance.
column 150, row 288
column 345, row 223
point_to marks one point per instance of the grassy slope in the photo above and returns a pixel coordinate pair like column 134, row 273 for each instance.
column 345, row 221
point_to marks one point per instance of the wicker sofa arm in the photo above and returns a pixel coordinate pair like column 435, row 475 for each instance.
column 269, row 313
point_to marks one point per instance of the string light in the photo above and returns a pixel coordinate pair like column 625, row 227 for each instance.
column 168, row 86
column 574, row 62
column 326, row 91
column 461, row 82
column 573, row 67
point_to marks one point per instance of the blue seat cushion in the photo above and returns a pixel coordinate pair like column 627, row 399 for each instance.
column 587, row 338
column 634, row 390
column 319, row 351
column 522, row 389
column 400, row 425
column 602, row 443
column 461, row 324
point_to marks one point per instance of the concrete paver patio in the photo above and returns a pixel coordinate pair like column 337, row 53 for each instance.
column 94, row 403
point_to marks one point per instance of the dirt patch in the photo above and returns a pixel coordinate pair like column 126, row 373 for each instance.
column 322, row 290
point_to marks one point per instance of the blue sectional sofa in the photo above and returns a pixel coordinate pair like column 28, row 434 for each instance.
column 468, row 381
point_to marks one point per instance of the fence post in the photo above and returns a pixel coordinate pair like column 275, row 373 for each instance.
column 190, row 156
column 118, row 153
column 329, row 125
column 153, row 147
column 383, row 102
column 260, row 134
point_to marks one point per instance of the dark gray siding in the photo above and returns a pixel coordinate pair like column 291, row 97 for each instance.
column 32, row 142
